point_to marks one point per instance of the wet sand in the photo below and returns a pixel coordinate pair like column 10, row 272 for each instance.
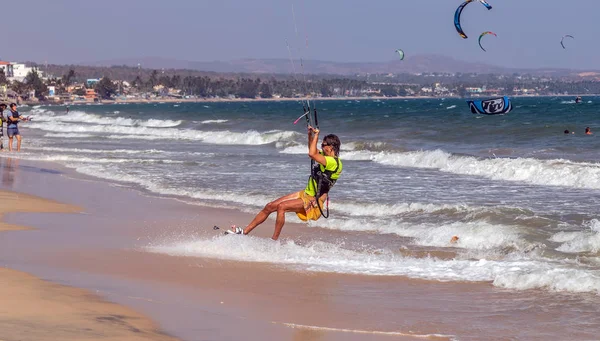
column 34, row 309
column 105, row 250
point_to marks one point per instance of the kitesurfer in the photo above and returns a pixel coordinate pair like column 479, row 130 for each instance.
column 328, row 168
column 588, row 131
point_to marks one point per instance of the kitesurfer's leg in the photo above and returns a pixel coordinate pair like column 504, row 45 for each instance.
column 267, row 210
column 295, row 205
column 18, row 142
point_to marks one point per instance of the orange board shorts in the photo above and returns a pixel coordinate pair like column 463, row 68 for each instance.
column 311, row 211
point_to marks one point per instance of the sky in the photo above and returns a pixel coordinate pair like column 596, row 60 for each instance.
column 75, row 31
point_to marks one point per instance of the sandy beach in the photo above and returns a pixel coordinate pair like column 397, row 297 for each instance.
column 34, row 309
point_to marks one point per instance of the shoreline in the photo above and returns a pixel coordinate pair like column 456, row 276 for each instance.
column 33, row 308
column 194, row 296
column 287, row 99
column 189, row 297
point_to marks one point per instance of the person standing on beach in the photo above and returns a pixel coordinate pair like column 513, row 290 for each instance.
column 2, row 120
column 12, row 129
column 304, row 203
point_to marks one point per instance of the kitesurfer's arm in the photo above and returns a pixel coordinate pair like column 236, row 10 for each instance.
column 11, row 118
column 313, row 152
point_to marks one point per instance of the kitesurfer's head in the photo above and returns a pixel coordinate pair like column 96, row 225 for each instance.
column 588, row 131
column 331, row 145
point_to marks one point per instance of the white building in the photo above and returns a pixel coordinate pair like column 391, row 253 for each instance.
column 20, row 71
column 17, row 71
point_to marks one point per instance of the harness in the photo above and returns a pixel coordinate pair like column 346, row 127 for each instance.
column 9, row 122
column 323, row 179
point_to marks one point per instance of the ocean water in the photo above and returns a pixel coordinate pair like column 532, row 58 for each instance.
column 520, row 194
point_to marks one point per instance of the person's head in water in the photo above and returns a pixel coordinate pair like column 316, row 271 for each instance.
column 566, row 131
column 588, row 131
column 331, row 145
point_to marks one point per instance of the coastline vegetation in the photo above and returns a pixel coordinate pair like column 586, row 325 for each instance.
column 133, row 82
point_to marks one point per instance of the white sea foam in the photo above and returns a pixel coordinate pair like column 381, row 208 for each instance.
column 83, row 117
column 363, row 145
column 299, row 149
column 476, row 235
column 549, row 277
column 97, row 151
column 382, row 210
column 358, row 155
column 451, row 107
column 327, row 257
column 347, row 152
column 142, row 132
column 534, row 171
column 214, row 121
column 580, row 241
column 68, row 135
column 70, row 159
column 246, row 202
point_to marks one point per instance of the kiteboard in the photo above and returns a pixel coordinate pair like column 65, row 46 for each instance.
column 238, row 230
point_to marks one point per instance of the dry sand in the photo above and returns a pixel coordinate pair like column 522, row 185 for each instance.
column 34, row 309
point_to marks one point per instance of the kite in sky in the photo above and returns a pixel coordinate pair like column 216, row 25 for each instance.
column 400, row 53
column 563, row 39
column 483, row 35
column 458, row 13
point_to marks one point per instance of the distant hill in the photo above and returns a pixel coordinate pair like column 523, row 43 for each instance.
column 415, row 64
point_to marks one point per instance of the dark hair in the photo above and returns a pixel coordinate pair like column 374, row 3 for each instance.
column 566, row 131
column 13, row 105
column 3, row 105
column 334, row 142
column 587, row 128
